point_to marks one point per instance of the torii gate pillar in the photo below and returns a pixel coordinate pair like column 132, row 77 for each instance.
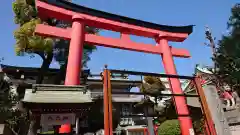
column 74, row 65
column 180, row 102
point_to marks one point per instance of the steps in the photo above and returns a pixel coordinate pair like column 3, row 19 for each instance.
column 233, row 116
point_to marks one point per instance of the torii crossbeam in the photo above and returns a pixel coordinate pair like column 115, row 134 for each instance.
column 81, row 16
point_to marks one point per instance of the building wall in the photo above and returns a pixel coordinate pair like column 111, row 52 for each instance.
column 235, row 130
column 216, row 109
column 99, row 92
column 4, row 130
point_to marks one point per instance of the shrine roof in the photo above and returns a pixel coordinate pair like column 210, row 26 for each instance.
column 57, row 94
column 30, row 70
column 203, row 69
column 46, row 93
column 93, row 12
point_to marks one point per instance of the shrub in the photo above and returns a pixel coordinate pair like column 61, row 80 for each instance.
column 169, row 127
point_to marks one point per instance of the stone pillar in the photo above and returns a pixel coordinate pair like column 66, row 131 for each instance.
column 77, row 125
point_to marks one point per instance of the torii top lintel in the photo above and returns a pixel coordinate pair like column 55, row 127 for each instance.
column 64, row 10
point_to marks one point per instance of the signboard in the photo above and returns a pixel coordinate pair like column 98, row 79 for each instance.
column 57, row 119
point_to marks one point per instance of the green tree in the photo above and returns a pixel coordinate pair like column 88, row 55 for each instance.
column 227, row 57
column 9, row 113
column 26, row 41
column 152, row 86
column 47, row 48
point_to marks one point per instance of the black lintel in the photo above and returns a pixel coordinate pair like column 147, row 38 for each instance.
column 93, row 12
column 138, row 73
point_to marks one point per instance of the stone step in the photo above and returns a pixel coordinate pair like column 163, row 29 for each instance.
column 233, row 116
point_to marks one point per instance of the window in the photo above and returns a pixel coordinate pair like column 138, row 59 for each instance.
column 135, row 132
column 84, row 123
column 125, row 110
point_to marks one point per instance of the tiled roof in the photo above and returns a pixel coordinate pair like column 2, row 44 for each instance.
column 57, row 94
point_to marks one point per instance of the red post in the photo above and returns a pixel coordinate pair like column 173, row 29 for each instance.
column 75, row 52
column 145, row 131
column 109, row 89
column 180, row 102
column 209, row 124
column 207, row 130
column 106, row 103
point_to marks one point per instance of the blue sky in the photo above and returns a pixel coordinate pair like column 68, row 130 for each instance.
column 170, row 12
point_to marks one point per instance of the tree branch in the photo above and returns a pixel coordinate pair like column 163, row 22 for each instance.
column 41, row 54
column 14, row 132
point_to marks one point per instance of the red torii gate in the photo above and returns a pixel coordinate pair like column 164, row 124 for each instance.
column 77, row 37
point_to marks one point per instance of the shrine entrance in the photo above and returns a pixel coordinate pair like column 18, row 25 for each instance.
column 81, row 17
